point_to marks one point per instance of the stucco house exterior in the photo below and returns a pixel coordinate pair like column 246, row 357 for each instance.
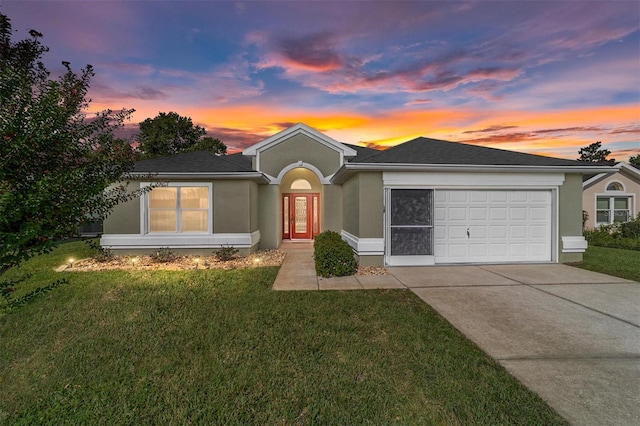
column 423, row 202
column 611, row 197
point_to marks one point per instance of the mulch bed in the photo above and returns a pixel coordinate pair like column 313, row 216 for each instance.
column 181, row 263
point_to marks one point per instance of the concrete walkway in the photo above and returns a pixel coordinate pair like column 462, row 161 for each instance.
column 298, row 273
column 570, row 335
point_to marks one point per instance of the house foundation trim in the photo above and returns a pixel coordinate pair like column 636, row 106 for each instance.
column 130, row 241
column 364, row 246
column 574, row 244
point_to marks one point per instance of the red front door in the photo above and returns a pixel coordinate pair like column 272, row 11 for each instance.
column 300, row 216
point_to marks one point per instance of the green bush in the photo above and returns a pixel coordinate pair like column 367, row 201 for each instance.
column 333, row 256
column 631, row 229
column 620, row 235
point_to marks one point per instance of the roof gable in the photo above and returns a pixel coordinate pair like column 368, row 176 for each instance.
column 626, row 169
column 299, row 128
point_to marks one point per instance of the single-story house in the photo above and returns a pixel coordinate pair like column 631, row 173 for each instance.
column 611, row 197
column 423, row 202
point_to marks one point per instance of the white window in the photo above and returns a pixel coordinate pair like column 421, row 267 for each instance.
column 179, row 209
column 612, row 209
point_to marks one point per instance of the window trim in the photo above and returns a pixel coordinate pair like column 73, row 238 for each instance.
column 144, row 208
column 611, row 196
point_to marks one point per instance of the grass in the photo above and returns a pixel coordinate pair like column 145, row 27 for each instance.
column 617, row 262
column 220, row 347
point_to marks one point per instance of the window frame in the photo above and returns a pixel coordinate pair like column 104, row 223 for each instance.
column 145, row 211
column 611, row 197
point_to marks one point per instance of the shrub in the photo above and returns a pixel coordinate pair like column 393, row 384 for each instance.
column 226, row 253
column 163, row 255
column 631, row 229
column 333, row 256
column 620, row 235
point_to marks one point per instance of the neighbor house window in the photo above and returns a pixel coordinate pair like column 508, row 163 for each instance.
column 612, row 209
column 614, row 206
column 179, row 209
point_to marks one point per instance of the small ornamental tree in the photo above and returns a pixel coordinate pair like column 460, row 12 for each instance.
column 594, row 153
column 57, row 166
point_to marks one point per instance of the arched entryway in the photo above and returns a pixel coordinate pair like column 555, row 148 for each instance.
column 301, row 192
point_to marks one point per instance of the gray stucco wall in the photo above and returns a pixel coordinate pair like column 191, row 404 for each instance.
column 299, row 148
column 125, row 218
column 371, row 215
column 269, row 211
column 363, row 205
column 232, row 206
column 570, row 214
column 351, row 205
column 331, row 208
column 253, row 219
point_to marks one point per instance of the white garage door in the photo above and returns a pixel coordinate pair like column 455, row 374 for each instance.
column 492, row 226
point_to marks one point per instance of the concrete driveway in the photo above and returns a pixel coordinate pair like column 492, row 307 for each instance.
column 570, row 335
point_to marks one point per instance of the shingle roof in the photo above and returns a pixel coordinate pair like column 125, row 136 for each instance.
column 433, row 151
column 193, row 162
column 363, row 151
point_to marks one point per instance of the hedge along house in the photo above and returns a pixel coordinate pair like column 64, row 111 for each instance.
column 423, row 202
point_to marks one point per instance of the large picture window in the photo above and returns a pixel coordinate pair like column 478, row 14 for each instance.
column 178, row 209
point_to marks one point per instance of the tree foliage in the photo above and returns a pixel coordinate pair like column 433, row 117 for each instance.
column 635, row 160
column 57, row 165
column 594, row 153
column 170, row 133
column 210, row 144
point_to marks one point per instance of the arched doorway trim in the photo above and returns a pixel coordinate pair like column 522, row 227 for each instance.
column 314, row 169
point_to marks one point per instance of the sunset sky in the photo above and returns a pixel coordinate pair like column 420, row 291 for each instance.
column 545, row 77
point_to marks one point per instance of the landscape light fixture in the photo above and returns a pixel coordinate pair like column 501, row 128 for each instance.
column 71, row 260
column 134, row 260
column 197, row 260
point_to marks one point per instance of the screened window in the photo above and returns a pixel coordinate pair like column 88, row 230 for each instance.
column 612, row 210
column 411, row 222
column 179, row 209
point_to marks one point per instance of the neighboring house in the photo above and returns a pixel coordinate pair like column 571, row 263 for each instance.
column 423, row 202
column 611, row 197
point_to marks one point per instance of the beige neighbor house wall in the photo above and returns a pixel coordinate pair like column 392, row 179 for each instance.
column 363, row 214
column 589, row 195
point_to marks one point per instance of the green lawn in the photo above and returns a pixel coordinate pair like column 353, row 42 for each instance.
column 617, row 262
column 219, row 347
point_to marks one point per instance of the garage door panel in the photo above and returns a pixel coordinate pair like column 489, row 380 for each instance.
column 498, row 213
column 457, row 213
column 477, row 250
column 517, row 232
column 504, row 226
column 458, row 197
column 457, row 232
column 497, row 231
column 538, row 213
column 478, row 213
column 518, row 213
